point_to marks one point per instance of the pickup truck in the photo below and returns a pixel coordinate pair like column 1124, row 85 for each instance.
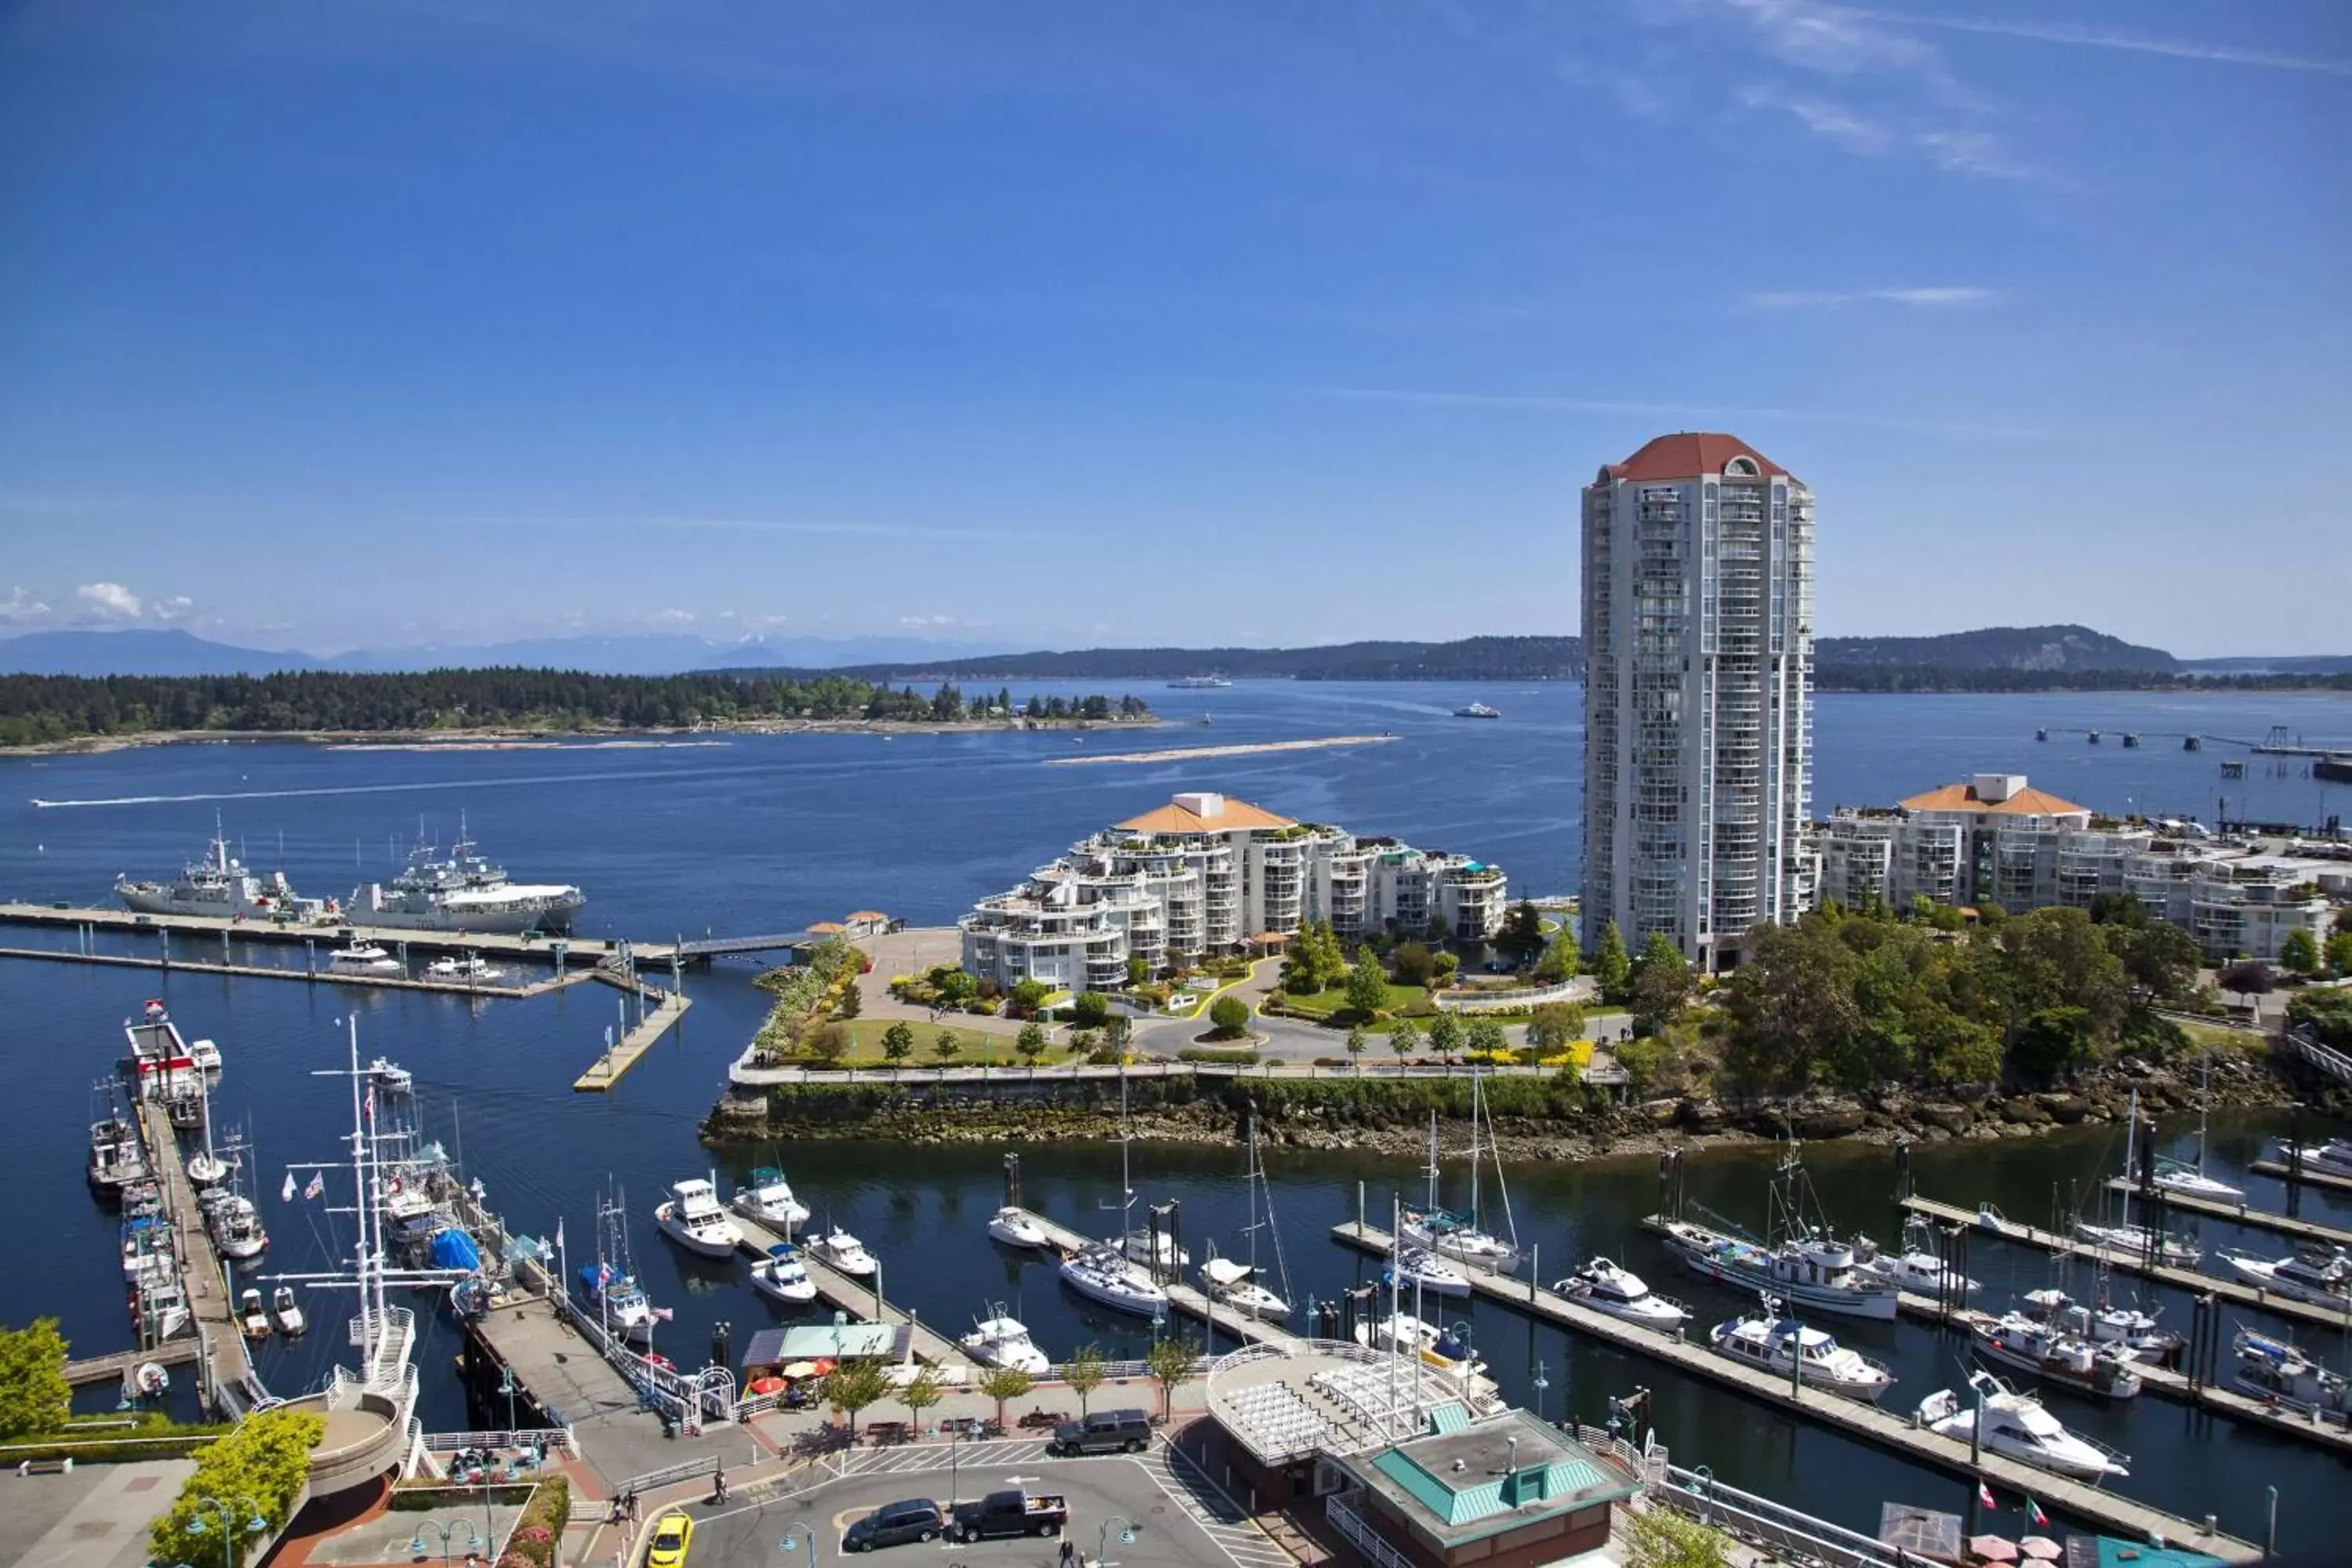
column 1009, row 1513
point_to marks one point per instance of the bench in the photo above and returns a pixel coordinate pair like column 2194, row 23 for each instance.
column 46, row 1467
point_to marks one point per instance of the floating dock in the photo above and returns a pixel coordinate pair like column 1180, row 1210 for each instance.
column 224, row 1368
column 861, row 1302
column 271, row 972
column 115, row 1366
column 1185, row 1299
column 2108, row 1510
column 2333, row 1183
column 215, row 927
column 2187, row 1280
column 607, row 1070
column 2289, row 1225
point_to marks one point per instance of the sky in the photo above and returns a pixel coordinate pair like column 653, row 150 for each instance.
column 1113, row 322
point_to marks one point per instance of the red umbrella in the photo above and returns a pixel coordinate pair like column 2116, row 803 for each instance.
column 1992, row 1549
column 2041, row 1546
column 765, row 1385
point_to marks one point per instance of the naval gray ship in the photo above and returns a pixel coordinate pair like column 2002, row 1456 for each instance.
column 463, row 892
column 217, row 885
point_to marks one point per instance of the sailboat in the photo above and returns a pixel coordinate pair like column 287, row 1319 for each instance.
column 1459, row 1236
column 1109, row 1274
column 2126, row 1237
column 1237, row 1285
column 2190, row 1181
column 611, row 1283
column 206, row 1169
column 1140, row 1244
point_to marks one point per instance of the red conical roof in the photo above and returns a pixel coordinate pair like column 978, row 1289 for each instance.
column 1687, row 455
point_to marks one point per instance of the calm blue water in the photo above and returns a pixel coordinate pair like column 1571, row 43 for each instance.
column 770, row 834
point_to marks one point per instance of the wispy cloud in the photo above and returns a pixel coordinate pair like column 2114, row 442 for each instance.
column 1830, row 38
column 1822, row 118
column 109, row 601
column 2133, row 42
column 1920, row 297
column 1547, row 403
column 1979, row 153
column 19, row 608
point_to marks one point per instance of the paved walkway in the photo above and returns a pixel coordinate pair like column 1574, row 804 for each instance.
column 96, row 1516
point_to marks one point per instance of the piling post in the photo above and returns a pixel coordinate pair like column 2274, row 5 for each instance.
column 166, row 935
column 1535, row 1269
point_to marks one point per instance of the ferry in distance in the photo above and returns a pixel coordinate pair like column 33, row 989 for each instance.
column 1478, row 711
column 1199, row 683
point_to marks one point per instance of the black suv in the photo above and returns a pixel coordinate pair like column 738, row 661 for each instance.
column 916, row 1518
column 1104, row 1432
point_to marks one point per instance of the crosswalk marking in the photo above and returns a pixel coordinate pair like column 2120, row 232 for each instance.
column 1221, row 1519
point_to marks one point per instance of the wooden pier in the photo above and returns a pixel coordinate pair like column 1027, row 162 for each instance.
column 2289, row 1225
column 224, row 1367
column 607, row 1070
column 1185, row 1299
column 1899, row 1434
column 114, row 1367
column 862, row 1302
column 2326, row 1179
column 2187, row 1280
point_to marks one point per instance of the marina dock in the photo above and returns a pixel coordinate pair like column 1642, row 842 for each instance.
column 2187, row 1280
column 2289, row 1225
column 215, row 927
column 271, row 972
column 2333, row 1183
column 1889, row 1430
column 1185, row 1299
column 607, row 1068
column 860, row 1302
column 115, row 1366
column 226, row 1371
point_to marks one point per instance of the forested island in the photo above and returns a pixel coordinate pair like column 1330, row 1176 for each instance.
column 39, row 710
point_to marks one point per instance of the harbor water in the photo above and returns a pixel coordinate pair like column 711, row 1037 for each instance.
column 769, row 834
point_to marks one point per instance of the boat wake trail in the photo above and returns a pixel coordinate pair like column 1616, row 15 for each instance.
column 533, row 779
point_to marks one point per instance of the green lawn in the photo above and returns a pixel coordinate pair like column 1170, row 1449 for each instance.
column 1412, row 999
column 980, row 1045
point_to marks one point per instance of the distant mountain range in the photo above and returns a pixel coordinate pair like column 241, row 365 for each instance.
column 1995, row 658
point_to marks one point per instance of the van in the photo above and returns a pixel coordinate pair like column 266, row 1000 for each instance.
column 1104, row 1432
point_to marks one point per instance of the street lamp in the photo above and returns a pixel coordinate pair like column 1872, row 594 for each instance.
column 417, row 1547
column 970, row 1434
column 225, row 1511
column 507, row 1388
column 800, row 1533
column 1127, row 1528
column 1540, row 1384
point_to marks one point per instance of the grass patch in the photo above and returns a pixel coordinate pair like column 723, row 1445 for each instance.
column 1401, row 999
column 980, row 1046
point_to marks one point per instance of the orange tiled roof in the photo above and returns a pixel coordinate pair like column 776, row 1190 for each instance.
column 1688, row 454
column 1175, row 818
column 824, row 928
column 2024, row 803
column 865, row 915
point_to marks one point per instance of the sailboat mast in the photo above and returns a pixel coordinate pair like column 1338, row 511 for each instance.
column 2131, row 1148
column 1433, row 1162
column 1253, row 1196
column 1474, row 1148
column 2204, row 1109
column 361, row 1199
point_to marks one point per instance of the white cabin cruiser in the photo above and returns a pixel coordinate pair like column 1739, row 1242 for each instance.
column 2049, row 1352
column 1762, row 1338
column 1104, row 1274
column 2333, row 1158
column 2272, row 1369
column 1014, row 1227
column 782, row 1276
column 844, row 1251
column 362, row 958
column 205, row 1054
column 287, row 1311
column 473, row 969
column 2319, row 1275
column 1605, row 1287
column 692, row 1218
column 1919, row 1267
column 2126, row 1327
column 768, row 1197
column 2016, row 1427
column 1236, row 1283
column 1418, row 1269
column 390, row 1075
column 1155, row 1246
column 1003, row 1340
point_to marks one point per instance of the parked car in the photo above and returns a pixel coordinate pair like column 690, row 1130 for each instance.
column 895, row 1524
column 673, row 1533
column 1006, row 1513
column 1104, row 1432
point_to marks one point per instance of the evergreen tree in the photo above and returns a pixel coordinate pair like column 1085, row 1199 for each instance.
column 1367, row 985
column 1611, row 967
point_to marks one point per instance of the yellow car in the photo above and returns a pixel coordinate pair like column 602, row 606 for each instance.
column 673, row 1533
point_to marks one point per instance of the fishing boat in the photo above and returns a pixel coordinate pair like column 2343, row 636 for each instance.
column 1459, row 1235
column 473, row 969
column 844, row 1252
column 116, row 1159
column 2275, row 1370
column 2016, row 1427
column 2104, row 1372
column 2333, row 1158
column 782, row 1276
column 1604, row 1286
column 2105, row 1324
column 205, row 1055
column 768, row 1197
column 2319, row 1275
column 252, row 1316
column 1919, row 1267
column 2190, row 1180
column 1799, row 1261
column 359, row 957
column 2137, row 1241
column 286, row 1313
column 610, row 1283
column 1103, row 1273
column 390, row 1075
column 1760, row 1337
column 692, row 1218
column 1418, row 1269
column 1000, row 1339
column 1239, row 1283
column 1014, row 1227
column 236, row 1230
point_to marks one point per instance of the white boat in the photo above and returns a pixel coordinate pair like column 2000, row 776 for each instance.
column 782, row 1275
column 2137, row 1241
column 1763, row 1338
column 2273, row 1370
column 1103, row 1274
column 1235, row 1284
column 1802, row 1264
column 1461, row 1236
column 287, row 1311
column 117, row 1160
column 2104, row 1372
column 768, row 1197
column 1478, row 711
column 1014, row 1227
column 1919, row 1267
column 1418, row 1269
column 2190, row 1181
column 2016, row 1427
column 362, row 958
column 692, row 1218
column 205, row 1168
column 236, row 1230
column 842, row 1251
column 1003, row 1340
column 152, row 1379
column 611, row 1282
column 1427, row 1343
column 2321, row 1276
column 473, row 969
column 252, row 1316
column 1146, row 1247
column 1606, row 1287
column 205, row 1055
column 390, row 1075
column 2127, row 1328
column 2332, row 1158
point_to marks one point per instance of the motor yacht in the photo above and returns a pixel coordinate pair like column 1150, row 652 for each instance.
column 2051, row 1353
column 692, row 1218
column 362, row 958
column 2272, row 1369
column 2016, row 1427
column 1235, row 1284
column 236, row 1230
column 205, row 1055
column 1817, row 1274
column 2126, row 1327
column 782, row 1276
column 1017, row 1227
column 286, row 1313
column 473, row 969
column 768, row 1197
column 1003, row 1340
column 844, row 1252
column 2320, row 1274
column 2332, row 1158
column 252, row 1316
column 1604, row 1286
column 1763, row 1338
column 1919, row 1266
column 1104, row 1274
column 390, row 1075
column 1418, row 1269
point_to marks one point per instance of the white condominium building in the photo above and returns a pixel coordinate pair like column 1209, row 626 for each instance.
column 1996, row 839
column 1206, row 874
column 1698, row 610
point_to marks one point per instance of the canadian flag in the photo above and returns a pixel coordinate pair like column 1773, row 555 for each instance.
column 1984, row 1495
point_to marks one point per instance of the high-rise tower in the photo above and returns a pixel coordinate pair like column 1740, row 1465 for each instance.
column 1699, row 652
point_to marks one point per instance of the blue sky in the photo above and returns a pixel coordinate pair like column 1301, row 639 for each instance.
column 1052, row 324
